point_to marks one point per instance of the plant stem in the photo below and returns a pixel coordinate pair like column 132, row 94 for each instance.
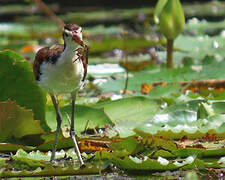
column 49, row 12
column 126, row 82
column 169, row 53
column 126, row 61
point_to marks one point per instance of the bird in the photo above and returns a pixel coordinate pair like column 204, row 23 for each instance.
column 61, row 69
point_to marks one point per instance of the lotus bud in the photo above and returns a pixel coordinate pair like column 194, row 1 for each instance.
column 171, row 19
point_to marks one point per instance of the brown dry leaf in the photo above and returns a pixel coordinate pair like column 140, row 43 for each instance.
column 193, row 89
column 145, row 88
column 90, row 145
column 184, row 142
column 189, row 143
column 198, row 145
column 221, row 89
column 200, row 85
column 209, row 137
column 199, row 89
column 164, row 84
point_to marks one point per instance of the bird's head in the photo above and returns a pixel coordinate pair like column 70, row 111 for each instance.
column 72, row 33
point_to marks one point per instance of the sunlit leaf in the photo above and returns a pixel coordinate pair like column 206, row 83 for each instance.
column 127, row 113
column 129, row 144
column 134, row 164
column 204, row 110
column 16, row 121
column 219, row 107
column 84, row 115
column 18, row 84
column 180, row 123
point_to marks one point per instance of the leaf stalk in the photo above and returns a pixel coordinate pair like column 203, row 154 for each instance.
column 170, row 53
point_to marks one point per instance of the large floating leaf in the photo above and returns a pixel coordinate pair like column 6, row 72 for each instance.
column 191, row 105
column 6, row 147
column 182, row 119
column 199, row 47
column 36, row 164
column 127, row 113
column 63, row 143
column 49, row 171
column 16, row 121
column 211, row 71
column 136, row 165
column 199, row 152
column 84, row 115
column 165, row 91
column 108, row 44
column 130, row 144
column 129, row 109
column 17, row 83
column 138, row 78
column 219, row 107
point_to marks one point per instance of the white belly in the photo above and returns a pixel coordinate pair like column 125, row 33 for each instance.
column 63, row 77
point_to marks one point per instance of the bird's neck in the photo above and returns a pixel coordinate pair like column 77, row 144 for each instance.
column 70, row 46
column 69, row 51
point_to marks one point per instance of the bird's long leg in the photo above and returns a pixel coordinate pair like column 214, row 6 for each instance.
column 59, row 122
column 72, row 132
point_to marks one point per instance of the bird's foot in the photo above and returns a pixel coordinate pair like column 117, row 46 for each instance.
column 76, row 147
column 82, row 166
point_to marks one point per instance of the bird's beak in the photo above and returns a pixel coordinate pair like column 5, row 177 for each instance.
column 78, row 40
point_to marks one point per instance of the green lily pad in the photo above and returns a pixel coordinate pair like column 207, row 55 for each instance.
column 129, row 144
column 6, row 147
column 93, row 117
column 129, row 109
column 18, row 84
column 17, row 121
column 50, row 171
column 136, row 165
column 180, row 125
column 127, row 113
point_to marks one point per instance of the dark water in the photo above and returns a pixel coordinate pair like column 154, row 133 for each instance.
column 99, row 3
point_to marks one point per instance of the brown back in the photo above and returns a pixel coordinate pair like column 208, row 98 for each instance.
column 46, row 54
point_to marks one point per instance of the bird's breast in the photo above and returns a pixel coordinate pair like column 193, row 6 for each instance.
column 65, row 76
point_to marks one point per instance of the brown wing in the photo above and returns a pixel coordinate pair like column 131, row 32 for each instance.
column 85, row 61
column 46, row 54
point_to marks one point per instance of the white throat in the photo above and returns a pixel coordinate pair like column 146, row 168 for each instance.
column 70, row 45
column 69, row 53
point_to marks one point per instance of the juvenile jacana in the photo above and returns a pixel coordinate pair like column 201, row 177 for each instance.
column 61, row 69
